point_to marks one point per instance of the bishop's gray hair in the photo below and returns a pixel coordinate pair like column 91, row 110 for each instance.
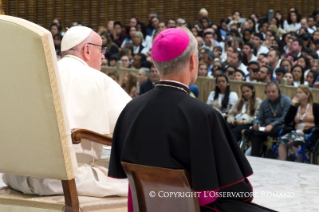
column 179, row 64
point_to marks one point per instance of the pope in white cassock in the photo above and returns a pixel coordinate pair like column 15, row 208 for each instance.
column 94, row 102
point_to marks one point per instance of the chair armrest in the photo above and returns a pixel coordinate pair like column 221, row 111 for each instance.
column 78, row 134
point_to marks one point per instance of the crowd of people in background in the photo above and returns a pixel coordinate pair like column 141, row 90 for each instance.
column 281, row 50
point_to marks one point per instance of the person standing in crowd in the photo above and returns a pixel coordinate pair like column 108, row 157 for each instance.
column 270, row 117
column 304, row 114
column 242, row 114
column 222, row 99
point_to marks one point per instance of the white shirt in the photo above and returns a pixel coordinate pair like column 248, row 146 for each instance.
column 243, row 68
column 262, row 50
column 253, row 58
column 136, row 49
column 291, row 27
column 233, row 97
column 296, row 84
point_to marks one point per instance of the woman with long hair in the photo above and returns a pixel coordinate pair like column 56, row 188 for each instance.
column 111, row 48
column 129, row 84
column 304, row 62
column 293, row 22
column 298, row 74
column 132, row 30
column 222, row 99
column 311, row 77
column 285, row 62
column 242, row 114
column 304, row 114
column 290, row 79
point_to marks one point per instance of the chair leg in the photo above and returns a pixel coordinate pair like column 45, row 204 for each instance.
column 70, row 196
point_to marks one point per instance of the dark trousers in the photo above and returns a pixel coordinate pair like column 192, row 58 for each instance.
column 260, row 137
column 236, row 130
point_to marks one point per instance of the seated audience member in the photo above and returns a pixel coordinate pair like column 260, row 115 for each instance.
column 242, row 114
column 249, row 53
column 92, row 101
column 265, row 74
column 230, row 72
column 138, row 44
column 280, row 73
column 209, row 59
column 125, row 61
column 253, row 69
column 257, row 40
column 138, row 59
column 217, row 64
column 219, row 71
column 114, row 75
column 285, row 62
column 298, row 75
column 142, row 76
column 129, row 84
column 304, row 114
column 260, row 59
column 111, row 47
column 290, row 79
column 117, row 35
column 150, row 83
column 113, row 60
column 146, row 64
column 128, row 51
column 265, row 62
column 132, row 30
column 311, row 78
column 270, row 116
column 222, row 99
column 202, row 69
column 239, row 75
column 218, row 51
column 236, row 60
column 304, row 62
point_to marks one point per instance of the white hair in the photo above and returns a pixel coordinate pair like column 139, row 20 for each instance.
column 146, row 71
column 180, row 63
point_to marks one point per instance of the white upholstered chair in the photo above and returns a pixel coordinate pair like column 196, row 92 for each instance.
column 35, row 139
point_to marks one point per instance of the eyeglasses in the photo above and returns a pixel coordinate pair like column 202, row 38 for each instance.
column 103, row 49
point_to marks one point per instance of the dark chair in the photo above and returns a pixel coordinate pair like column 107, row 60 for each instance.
column 156, row 189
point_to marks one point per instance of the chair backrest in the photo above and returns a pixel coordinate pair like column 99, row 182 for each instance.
column 35, row 139
column 159, row 189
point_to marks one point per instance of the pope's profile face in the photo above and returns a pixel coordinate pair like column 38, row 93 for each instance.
column 96, row 57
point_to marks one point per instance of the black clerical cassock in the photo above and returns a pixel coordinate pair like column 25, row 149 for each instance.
column 166, row 127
